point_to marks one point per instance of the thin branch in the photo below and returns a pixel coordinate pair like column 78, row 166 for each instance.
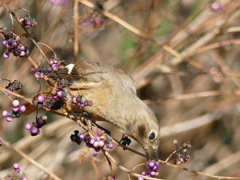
column 76, row 3
column 116, row 19
column 30, row 160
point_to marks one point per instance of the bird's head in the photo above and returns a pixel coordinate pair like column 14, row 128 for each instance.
column 146, row 131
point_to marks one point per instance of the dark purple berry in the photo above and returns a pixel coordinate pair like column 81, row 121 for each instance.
column 110, row 145
column 6, row 55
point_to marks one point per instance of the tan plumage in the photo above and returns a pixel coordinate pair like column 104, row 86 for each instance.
column 114, row 98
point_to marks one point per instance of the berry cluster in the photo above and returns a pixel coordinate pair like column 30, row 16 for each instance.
column 14, row 86
column 56, row 63
column 40, row 71
column 92, row 17
column 34, row 127
column 181, row 152
column 16, row 167
column 11, row 176
column 79, row 102
column 27, row 22
column 14, row 46
column 16, row 111
column 96, row 143
column 52, row 101
column 152, row 169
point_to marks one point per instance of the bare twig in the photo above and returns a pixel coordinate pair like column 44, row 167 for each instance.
column 30, row 160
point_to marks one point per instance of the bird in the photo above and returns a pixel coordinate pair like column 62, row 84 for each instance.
column 115, row 100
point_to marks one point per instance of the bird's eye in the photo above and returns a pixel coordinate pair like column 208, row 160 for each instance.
column 152, row 135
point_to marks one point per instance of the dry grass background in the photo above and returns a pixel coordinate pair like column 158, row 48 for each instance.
column 187, row 71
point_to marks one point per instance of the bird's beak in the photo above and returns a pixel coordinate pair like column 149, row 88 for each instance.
column 156, row 154
column 147, row 155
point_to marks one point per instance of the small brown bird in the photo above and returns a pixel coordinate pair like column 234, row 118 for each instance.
column 114, row 98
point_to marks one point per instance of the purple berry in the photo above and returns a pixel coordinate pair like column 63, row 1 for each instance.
column 82, row 137
column 216, row 7
column 151, row 164
column 91, row 20
column 6, row 55
column 59, row 94
column 22, row 48
column 15, row 43
column 23, row 108
column 101, row 144
column 5, row 113
column 84, row 23
column 41, row 75
column 40, row 99
column 34, row 130
column 152, row 173
column 96, row 144
column 9, row 119
column 28, row 126
column 140, row 178
column 15, row 103
column 5, row 42
column 110, row 145
column 16, row 166
column 18, row 170
column 91, row 141
column 22, row 54
column 155, row 168
column 54, row 67
column 39, row 121
column 24, row 178
column 74, row 100
column 144, row 173
column 95, row 153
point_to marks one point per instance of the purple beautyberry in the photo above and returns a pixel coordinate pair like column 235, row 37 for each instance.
column 23, row 108
column 15, row 103
column 84, row 23
column 24, row 178
column 101, row 144
column 95, row 153
column 16, row 166
column 59, row 94
column 40, row 99
column 9, row 119
column 74, row 100
column 5, row 113
column 82, row 137
column 151, row 164
column 91, row 141
column 5, row 42
column 22, row 54
column 152, row 173
column 6, row 55
column 28, row 126
column 110, row 145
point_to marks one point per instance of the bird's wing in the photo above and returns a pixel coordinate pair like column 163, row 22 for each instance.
column 92, row 72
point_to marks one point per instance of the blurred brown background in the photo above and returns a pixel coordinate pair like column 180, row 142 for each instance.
column 187, row 72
